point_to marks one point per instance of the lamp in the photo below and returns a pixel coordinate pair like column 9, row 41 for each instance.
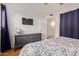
column 53, row 23
column 19, row 30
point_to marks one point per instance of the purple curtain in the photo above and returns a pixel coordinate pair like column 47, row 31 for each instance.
column 5, row 40
column 69, row 24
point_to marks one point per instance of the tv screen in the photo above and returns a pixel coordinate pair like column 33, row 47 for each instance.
column 26, row 21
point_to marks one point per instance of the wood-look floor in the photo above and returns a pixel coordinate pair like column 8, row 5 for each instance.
column 11, row 52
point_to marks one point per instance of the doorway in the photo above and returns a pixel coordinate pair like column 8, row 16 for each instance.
column 50, row 27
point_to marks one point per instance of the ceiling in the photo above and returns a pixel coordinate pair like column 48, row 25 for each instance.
column 39, row 8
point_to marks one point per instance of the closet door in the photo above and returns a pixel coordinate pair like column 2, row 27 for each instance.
column 76, row 24
column 62, row 31
column 69, row 24
column 64, row 25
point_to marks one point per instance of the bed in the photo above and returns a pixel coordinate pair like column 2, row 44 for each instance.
column 60, row 46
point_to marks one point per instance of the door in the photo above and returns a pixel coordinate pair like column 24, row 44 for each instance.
column 51, row 27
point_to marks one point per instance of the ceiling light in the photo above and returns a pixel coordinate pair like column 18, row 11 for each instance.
column 45, row 3
column 53, row 23
column 50, row 14
column 61, row 3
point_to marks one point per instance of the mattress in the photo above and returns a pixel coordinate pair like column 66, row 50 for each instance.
column 60, row 46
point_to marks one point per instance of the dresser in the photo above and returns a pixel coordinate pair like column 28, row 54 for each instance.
column 21, row 40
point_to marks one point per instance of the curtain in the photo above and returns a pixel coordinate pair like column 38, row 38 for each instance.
column 0, row 28
column 5, row 40
column 69, row 24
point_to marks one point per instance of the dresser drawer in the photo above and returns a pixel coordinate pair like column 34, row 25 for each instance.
column 21, row 40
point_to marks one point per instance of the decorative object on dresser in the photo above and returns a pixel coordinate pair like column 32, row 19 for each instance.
column 21, row 40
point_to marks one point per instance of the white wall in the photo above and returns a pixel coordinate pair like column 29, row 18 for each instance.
column 43, row 27
column 15, row 21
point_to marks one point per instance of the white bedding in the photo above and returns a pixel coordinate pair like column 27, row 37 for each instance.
column 61, row 46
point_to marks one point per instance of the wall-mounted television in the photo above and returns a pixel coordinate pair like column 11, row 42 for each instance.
column 27, row 21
